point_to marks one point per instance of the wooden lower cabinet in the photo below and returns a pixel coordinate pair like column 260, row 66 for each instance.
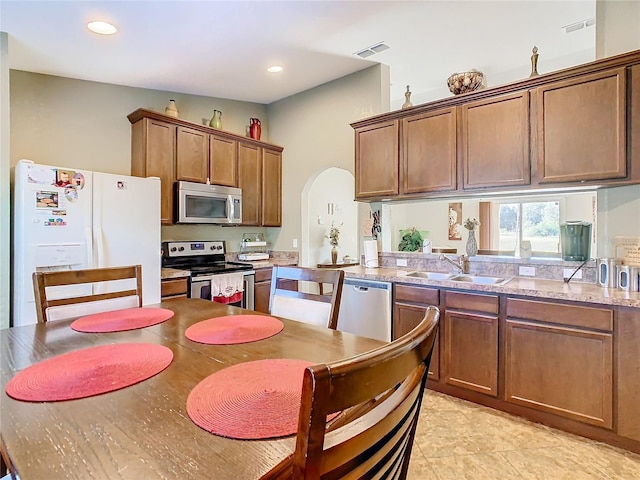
column 471, row 343
column 171, row 288
column 564, row 369
column 262, row 290
column 627, row 348
column 409, row 308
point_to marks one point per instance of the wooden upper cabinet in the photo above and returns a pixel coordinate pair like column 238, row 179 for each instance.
column 250, row 170
column 495, row 142
column 153, row 146
column 581, row 128
column 192, row 155
column 377, row 156
column 223, row 161
column 271, row 188
column 429, row 153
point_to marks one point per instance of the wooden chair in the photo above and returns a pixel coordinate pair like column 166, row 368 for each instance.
column 121, row 295
column 389, row 382
column 315, row 308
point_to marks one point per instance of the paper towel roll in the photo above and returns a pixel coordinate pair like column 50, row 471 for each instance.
column 370, row 253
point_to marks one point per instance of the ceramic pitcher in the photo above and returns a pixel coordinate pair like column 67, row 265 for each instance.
column 255, row 129
column 216, row 120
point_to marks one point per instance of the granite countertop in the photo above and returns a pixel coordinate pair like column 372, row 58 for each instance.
column 166, row 273
column 550, row 289
column 257, row 265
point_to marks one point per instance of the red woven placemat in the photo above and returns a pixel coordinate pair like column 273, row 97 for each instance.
column 88, row 372
column 121, row 320
column 232, row 329
column 251, row 400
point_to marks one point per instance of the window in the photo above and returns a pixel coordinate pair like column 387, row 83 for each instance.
column 538, row 222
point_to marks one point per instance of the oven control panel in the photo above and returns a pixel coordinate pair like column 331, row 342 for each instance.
column 188, row 249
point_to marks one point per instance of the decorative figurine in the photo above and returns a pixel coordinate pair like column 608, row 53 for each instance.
column 407, row 103
column 171, row 110
column 534, row 63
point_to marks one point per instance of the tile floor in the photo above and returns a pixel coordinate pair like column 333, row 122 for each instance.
column 458, row 440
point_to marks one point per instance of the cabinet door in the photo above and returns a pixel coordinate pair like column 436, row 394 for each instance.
column 628, row 373
column 262, row 292
column 192, row 155
column 405, row 319
column 429, row 152
column 250, row 181
column 471, row 351
column 271, row 188
column 223, row 161
column 377, row 156
column 581, row 128
column 495, row 142
column 561, row 370
column 153, row 147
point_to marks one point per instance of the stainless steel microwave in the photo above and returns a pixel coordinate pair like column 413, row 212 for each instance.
column 201, row 203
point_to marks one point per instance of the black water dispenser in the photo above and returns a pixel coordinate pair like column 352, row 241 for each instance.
column 575, row 239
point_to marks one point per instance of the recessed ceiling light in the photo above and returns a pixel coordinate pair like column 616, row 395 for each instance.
column 103, row 28
column 275, row 69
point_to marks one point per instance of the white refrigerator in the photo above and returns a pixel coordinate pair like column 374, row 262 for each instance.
column 69, row 219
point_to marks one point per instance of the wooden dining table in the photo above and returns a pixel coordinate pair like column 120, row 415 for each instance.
column 143, row 431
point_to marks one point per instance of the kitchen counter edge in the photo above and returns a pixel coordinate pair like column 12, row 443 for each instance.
column 530, row 287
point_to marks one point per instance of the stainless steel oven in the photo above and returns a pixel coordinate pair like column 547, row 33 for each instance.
column 205, row 260
column 201, row 288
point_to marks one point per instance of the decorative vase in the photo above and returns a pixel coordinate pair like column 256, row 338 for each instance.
column 334, row 255
column 171, row 110
column 255, row 129
column 472, row 244
column 216, row 120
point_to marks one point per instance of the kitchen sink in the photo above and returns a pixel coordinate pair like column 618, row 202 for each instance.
column 431, row 275
column 479, row 279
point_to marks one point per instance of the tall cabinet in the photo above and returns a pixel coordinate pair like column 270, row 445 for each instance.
column 173, row 150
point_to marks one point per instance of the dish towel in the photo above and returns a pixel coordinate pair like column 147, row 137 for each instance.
column 227, row 288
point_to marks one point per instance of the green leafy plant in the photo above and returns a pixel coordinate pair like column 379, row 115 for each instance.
column 411, row 240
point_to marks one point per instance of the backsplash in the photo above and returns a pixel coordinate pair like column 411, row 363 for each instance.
column 497, row 266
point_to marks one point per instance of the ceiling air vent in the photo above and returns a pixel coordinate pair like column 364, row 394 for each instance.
column 372, row 50
column 589, row 22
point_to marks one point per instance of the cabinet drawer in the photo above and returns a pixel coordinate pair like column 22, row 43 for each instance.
column 571, row 315
column 263, row 275
column 472, row 301
column 173, row 287
column 426, row 296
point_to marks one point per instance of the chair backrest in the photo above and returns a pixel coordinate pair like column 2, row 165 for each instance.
column 316, row 308
column 386, row 385
column 119, row 294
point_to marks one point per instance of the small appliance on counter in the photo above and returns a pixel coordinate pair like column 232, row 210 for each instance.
column 607, row 272
column 253, row 248
column 575, row 239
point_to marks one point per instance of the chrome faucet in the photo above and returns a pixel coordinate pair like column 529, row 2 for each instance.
column 462, row 264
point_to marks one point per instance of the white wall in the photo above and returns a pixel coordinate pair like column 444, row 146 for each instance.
column 4, row 181
column 314, row 126
column 617, row 27
column 333, row 186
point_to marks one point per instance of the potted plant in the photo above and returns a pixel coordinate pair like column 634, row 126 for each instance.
column 411, row 240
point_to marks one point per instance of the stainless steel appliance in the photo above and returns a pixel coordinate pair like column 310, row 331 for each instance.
column 204, row 260
column 201, row 203
column 607, row 274
column 365, row 308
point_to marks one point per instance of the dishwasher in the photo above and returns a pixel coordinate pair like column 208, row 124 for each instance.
column 365, row 308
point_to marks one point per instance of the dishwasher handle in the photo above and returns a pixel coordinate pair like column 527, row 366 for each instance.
column 359, row 288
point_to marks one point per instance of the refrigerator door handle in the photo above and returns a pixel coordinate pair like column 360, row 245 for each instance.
column 99, row 239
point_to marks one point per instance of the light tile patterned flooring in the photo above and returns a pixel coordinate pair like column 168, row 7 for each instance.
column 459, row 440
